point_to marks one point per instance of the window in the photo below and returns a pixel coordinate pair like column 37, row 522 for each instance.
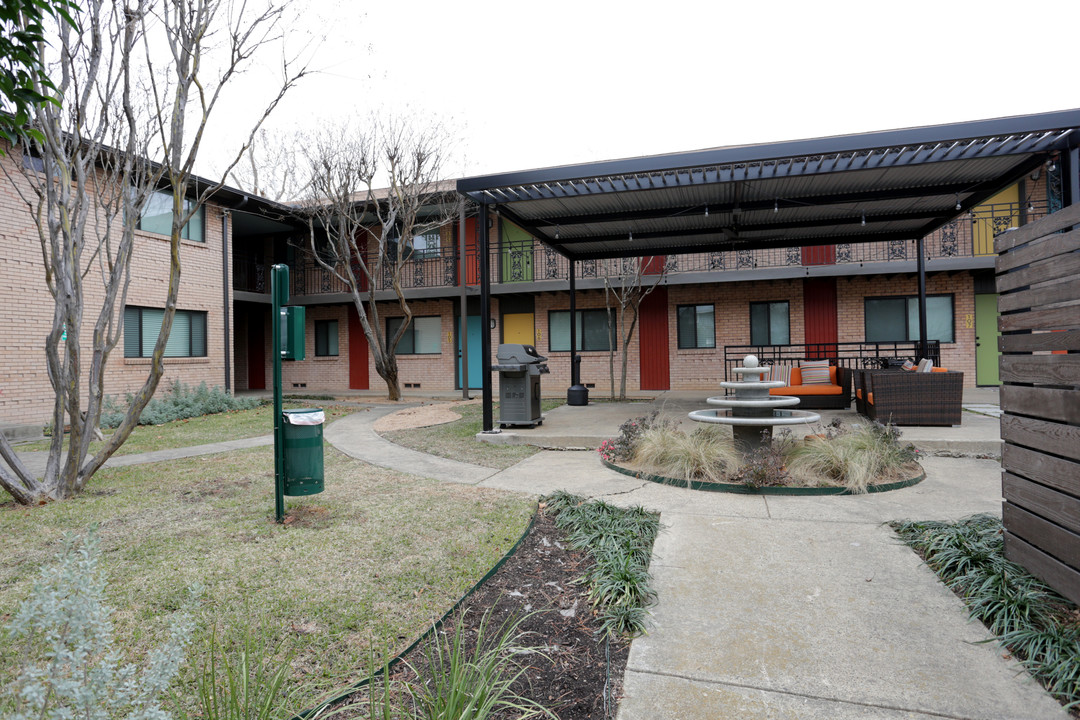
column 697, row 327
column 142, row 325
column 769, row 323
column 423, row 336
column 896, row 319
column 326, row 338
column 157, row 217
column 592, row 330
column 426, row 245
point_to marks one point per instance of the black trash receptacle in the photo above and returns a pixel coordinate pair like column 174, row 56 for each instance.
column 302, row 434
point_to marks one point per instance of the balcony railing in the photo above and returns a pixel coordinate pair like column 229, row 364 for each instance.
column 970, row 235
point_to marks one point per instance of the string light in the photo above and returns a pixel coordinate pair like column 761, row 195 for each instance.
column 776, row 205
column 631, row 236
column 706, row 211
column 864, row 218
column 958, row 201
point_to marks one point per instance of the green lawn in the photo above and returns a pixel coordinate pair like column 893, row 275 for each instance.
column 231, row 425
column 457, row 440
column 371, row 560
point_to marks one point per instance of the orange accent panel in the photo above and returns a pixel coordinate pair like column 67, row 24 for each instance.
column 819, row 313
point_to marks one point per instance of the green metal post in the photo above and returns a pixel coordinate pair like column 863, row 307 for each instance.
column 279, row 292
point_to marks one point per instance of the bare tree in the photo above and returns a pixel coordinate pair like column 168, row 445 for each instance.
column 135, row 94
column 272, row 167
column 628, row 289
column 367, row 236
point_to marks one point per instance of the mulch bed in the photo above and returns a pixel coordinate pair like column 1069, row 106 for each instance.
column 581, row 679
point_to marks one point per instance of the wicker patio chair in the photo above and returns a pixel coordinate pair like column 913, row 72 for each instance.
column 912, row 398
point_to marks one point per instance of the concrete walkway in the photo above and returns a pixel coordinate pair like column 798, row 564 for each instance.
column 782, row 607
column 777, row 607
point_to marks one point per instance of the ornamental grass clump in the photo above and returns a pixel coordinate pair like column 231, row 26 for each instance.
column 705, row 454
column 620, row 542
column 1038, row 626
column 853, row 456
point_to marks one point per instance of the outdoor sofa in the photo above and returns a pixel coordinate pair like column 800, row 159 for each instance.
column 910, row 398
column 832, row 395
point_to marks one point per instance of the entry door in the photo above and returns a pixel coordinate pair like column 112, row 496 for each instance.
column 476, row 365
column 986, row 340
column 256, row 350
column 518, row 329
column 358, row 353
column 653, row 344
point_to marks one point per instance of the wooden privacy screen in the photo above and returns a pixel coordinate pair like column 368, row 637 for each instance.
column 1038, row 278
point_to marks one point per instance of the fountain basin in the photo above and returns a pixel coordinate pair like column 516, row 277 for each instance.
column 770, row 402
column 778, row 417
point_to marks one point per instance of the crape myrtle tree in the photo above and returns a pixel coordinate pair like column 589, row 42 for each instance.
column 136, row 84
column 366, row 235
column 623, row 294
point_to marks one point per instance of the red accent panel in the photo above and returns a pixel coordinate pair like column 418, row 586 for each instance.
column 819, row 314
column 358, row 353
column 653, row 265
column 819, row 255
column 472, row 257
column 256, row 350
column 653, row 341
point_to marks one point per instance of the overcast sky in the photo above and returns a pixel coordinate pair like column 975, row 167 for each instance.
column 526, row 85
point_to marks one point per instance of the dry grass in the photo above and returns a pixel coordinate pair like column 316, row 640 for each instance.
column 856, row 458
column 705, row 454
column 457, row 440
column 371, row 560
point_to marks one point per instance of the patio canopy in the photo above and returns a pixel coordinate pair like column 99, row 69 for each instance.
column 870, row 187
column 891, row 185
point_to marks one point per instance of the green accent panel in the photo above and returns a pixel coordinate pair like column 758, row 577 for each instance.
column 986, row 340
column 292, row 336
column 516, row 254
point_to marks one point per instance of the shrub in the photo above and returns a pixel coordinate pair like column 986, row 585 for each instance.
column 706, row 453
column 766, row 465
column 178, row 403
column 66, row 630
column 630, row 432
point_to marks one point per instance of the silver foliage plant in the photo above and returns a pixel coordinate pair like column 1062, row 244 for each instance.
column 69, row 667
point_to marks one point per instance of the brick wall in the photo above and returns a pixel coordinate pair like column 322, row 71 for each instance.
column 26, row 307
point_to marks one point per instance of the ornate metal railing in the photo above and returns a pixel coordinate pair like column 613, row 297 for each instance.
column 970, row 235
column 854, row 355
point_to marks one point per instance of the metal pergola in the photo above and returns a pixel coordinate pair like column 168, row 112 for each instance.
column 871, row 187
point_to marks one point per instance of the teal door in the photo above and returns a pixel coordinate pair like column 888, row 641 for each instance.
column 475, row 364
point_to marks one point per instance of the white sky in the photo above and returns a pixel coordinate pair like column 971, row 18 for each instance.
column 527, row 85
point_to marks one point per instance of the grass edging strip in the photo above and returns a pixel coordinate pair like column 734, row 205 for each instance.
column 741, row 489
column 432, row 629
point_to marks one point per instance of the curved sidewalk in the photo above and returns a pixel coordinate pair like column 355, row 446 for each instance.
column 782, row 607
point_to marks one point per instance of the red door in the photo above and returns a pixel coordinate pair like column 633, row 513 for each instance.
column 819, row 316
column 358, row 353
column 256, row 350
column 653, row 342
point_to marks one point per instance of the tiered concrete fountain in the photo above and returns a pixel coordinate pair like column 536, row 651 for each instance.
column 752, row 413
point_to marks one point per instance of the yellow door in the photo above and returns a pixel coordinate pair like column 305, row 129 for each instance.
column 518, row 328
column 994, row 217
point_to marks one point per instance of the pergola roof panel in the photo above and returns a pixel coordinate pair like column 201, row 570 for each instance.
column 805, row 192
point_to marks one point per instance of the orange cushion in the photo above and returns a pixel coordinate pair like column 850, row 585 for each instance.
column 796, row 377
column 832, row 375
column 939, row 369
column 870, row 398
column 815, row 389
column 858, row 393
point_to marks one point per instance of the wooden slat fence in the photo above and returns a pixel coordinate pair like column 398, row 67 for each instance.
column 1038, row 278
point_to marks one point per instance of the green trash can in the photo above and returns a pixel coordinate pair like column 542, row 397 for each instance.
column 302, row 433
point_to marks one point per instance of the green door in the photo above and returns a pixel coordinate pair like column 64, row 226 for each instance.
column 517, row 254
column 986, row 343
